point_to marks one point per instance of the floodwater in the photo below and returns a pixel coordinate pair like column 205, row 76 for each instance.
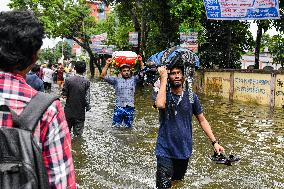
column 110, row 158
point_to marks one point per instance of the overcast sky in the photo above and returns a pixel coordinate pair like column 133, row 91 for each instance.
column 3, row 5
column 51, row 43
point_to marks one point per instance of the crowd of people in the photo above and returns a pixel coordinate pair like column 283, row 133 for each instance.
column 21, row 81
column 46, row 75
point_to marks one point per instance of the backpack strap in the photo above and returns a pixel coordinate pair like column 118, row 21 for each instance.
column 30, row 116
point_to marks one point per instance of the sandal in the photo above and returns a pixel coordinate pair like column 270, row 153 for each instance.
column 233, row 158
column 222, row 159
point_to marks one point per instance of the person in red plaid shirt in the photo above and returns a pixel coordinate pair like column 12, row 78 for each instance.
column 21, row 37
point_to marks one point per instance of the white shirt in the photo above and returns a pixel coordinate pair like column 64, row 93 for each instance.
column 47, row 75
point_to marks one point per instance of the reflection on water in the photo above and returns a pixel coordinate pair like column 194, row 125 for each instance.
column 106, row 157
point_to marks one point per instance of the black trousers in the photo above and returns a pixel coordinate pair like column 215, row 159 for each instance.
column 77, row 125
column 168, row 170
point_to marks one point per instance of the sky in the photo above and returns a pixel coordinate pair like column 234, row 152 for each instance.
column 52, row 42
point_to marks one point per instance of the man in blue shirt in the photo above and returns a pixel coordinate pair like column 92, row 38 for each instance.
column 174, row 143
column 124, row 89
column 33, row 80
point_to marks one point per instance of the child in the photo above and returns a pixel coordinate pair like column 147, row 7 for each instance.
column 76, row 90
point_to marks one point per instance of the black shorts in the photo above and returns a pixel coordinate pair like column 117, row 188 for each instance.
column 169, row 169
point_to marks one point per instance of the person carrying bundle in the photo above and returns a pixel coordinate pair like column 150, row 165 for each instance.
column 124, row 89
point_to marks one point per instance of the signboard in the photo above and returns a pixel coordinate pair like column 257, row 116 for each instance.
column 189, row 40
column 103, row 49
column 99, row 39
column 242, row 9
column 133, row 39
column 190, row 37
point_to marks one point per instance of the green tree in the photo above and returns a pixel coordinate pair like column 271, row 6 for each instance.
column 262, row 27
column 66, row 19
column 224, row 43
column 157, row 27
column 279, row 24
column 48, row 56
column 221, row 43
column 265, row 42
column 117, row 30
column 52, row 55
column 276, row 48
column 67, row 50
column 127, row 12
column 190, row 12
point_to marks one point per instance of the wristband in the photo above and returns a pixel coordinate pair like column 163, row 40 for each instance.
column 214, row 142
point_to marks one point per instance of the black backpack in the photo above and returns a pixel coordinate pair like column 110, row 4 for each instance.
column 21, row 165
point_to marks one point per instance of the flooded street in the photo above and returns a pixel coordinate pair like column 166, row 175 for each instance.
column 107, row 158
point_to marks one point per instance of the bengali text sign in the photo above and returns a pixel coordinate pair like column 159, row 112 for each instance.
column 242, row 9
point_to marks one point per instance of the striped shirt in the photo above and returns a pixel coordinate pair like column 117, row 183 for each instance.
column 51, row 133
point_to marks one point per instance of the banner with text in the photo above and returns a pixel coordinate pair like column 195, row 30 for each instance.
column 99, row 39
column 133, row 39
column 189, row 40
column 242, row 9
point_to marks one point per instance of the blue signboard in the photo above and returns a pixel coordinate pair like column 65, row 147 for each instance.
column 242, row 9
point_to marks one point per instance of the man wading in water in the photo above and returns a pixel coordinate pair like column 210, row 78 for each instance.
column 174, row 143
column 124, row 89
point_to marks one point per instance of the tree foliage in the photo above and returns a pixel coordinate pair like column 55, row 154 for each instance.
column 276, row 48
column 117, row 30
column 221, row 43
column 225, row 42
column 52, row 55
column 279, row 24
column 66, row 19
column 265, row 42
column 157, row 27
column 263, row 26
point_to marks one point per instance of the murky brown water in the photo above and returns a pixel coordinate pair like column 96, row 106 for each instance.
column 117, row 158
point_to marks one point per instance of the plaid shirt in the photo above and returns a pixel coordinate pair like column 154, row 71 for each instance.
column 51, row 134
column 124, row 89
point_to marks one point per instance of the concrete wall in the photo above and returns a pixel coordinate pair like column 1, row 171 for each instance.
column 252, row 86
column 279, row 91
column 217, row 83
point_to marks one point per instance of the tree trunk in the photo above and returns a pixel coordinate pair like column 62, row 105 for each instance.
column 143, row 35
column 91, row 55
column 257, row 46
column 137, row 28
column 92, row 67
column 229, row 63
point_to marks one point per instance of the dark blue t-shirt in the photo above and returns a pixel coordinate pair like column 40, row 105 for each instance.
column 175, row 132
column 34, row 81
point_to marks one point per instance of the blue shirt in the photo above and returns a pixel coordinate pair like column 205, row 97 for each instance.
column 124, row 89
column 34, row 81
column 175, row 132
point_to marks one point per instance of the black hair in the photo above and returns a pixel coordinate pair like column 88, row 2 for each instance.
column 49, row 65
column 124, row 66
column 21, row 36
column 178, row 67
column 80, row 67
column 35, row 68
